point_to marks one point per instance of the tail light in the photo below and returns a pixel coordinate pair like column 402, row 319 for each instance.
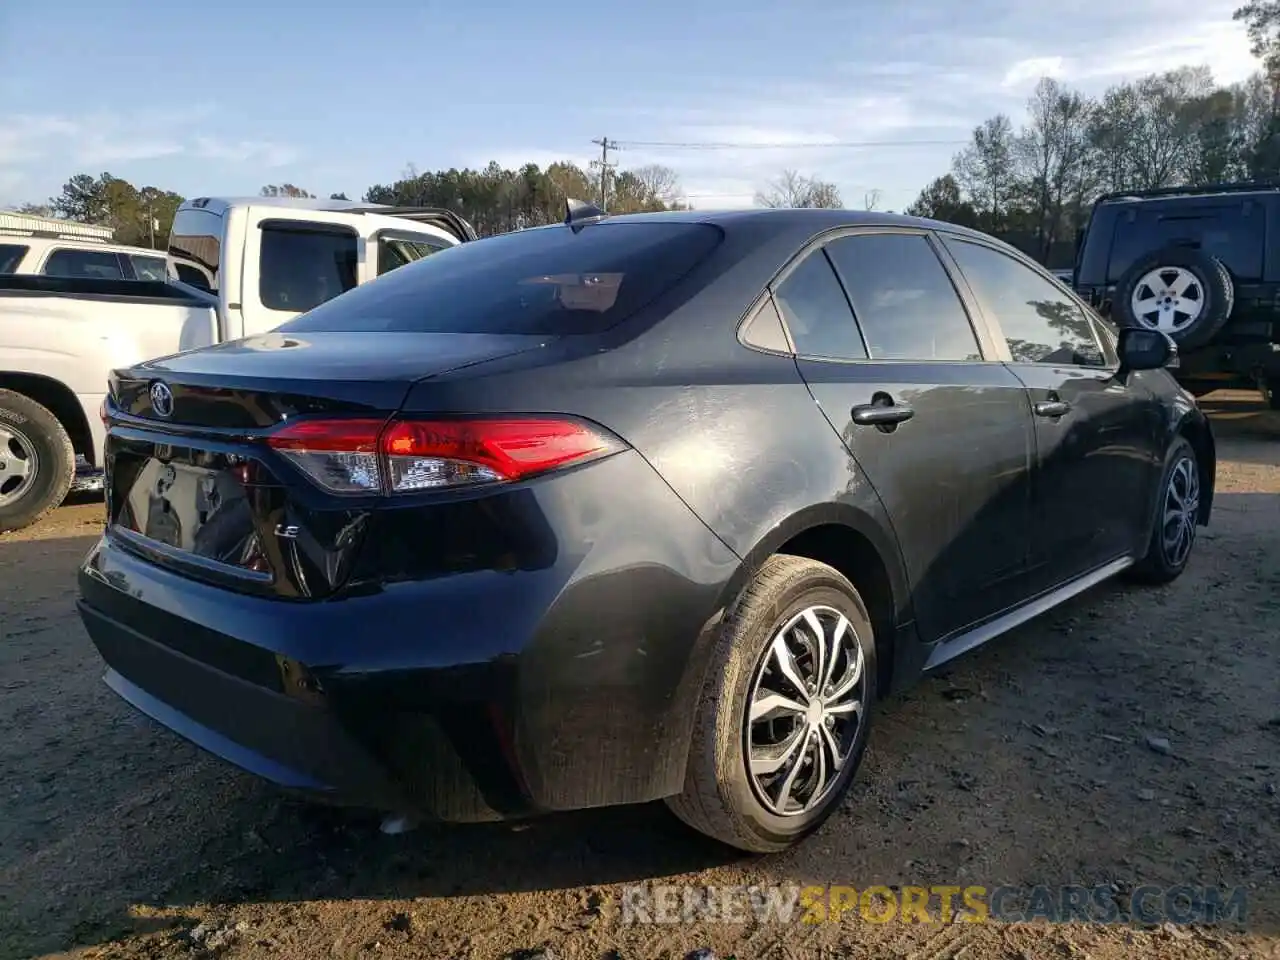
column 403, row 456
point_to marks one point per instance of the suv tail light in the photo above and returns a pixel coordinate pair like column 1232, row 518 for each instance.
column 403, row 456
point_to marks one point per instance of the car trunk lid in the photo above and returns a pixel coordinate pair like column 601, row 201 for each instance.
column 191, row 484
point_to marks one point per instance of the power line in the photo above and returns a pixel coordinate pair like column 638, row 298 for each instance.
column 817, row 145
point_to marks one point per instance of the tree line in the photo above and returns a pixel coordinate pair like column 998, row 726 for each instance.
column 1035, row 184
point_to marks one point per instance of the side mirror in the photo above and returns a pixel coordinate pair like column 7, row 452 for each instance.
column 1143, row 349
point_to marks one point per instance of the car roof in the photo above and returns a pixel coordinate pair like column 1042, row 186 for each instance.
column 222, row 204
column 792, row 217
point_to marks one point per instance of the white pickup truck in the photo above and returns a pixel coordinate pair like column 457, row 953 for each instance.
column 236, row 268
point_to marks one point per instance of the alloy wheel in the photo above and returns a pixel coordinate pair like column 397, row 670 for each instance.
column 18, row 464
column 1181, row 509
column 1168, row 299
column 804, row 712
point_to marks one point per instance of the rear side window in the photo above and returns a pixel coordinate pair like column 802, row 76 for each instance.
column 817, row 312
column 544, row 281
column 148, row 268
column 11, row 255
column 903, row 298
column 195, row 246
column 100, row 264
column 397, row 251
column 1232, row 232
column 302, row 267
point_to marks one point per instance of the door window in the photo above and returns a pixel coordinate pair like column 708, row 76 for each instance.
column 11, row 255
column 817, row 312
column 903, row 299
column 1041, row 324
column 68, row 262
column 301, row 267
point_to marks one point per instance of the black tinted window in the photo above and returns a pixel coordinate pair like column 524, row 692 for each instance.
column 11, row 255
column 195, row 245
column 547, row 280
column 817, row 312
column 396, row 251
column 102, row 264
column 1041, row 323
column 903, row 298
column 301, row 268
column 1224, row 230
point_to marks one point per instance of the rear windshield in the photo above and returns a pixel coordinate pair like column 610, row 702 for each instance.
column 547, row 281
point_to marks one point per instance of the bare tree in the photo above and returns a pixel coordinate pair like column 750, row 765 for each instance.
column 871, row 199
column 985, row 168
column 659, row 182
column 1052, row 151
column 793, row 189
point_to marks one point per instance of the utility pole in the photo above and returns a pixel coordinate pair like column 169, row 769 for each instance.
column 605, row 145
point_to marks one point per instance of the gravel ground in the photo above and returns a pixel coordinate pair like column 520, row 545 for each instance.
column 1040, row 759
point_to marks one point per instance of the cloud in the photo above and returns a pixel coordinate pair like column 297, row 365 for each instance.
column 1033, row 69
column 32, row 144
column 889, row 90
column 258, row 152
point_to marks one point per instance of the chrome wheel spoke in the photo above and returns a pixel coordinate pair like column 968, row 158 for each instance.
column 18, row 464
column 797, row 764
column 785, row 661
column 768, row 761
column 843, row 709
column 832, row 747
column 851, row 678
column 769, row 704
column 1181, row 511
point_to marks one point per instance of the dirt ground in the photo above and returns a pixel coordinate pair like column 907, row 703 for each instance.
column 1029, row 763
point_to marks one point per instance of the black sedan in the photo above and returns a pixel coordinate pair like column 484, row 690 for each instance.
column 626, row 508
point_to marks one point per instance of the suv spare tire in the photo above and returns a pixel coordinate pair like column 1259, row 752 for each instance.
column 1183, row 292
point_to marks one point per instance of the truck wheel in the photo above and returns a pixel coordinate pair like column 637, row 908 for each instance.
column 1271, row 392
column 37, row 462
column 1183, row 292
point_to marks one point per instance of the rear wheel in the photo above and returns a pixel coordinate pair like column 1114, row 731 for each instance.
column 1271, row 392
column 37, row 462
column 1177, row 517
column 783, row 722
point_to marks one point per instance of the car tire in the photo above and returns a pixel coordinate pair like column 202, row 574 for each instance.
column 1211, row 279
column 1164, row 562
column 722, row 798
column 37, row 461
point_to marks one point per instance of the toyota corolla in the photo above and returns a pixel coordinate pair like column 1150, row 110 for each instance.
column 625, row 509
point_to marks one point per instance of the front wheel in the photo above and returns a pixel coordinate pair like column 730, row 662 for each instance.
column 784, row 717
column 37, row 462
column 1177, row 517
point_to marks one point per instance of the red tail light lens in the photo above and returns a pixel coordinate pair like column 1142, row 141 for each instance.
column 346, row 456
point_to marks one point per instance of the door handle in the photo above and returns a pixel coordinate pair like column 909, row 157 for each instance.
column 1051, row 408
column 876, row 415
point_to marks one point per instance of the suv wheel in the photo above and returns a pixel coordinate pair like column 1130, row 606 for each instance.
column 1177, row 517
column 1182, row 292
column 37, row 462
column 783, row 722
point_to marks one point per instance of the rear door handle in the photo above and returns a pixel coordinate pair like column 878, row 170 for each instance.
column 1051, row 408
column 875, row 415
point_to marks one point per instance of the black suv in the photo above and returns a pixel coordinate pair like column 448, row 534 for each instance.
column 1201, row 264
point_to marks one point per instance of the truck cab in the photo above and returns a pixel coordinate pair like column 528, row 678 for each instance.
column 268, row 259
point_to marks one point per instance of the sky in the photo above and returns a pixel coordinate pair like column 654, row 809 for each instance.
column 222, row 98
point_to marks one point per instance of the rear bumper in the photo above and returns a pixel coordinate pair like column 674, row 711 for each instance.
column 493, row 693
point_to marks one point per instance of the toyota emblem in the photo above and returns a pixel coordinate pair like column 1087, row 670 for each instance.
column 161, row 399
